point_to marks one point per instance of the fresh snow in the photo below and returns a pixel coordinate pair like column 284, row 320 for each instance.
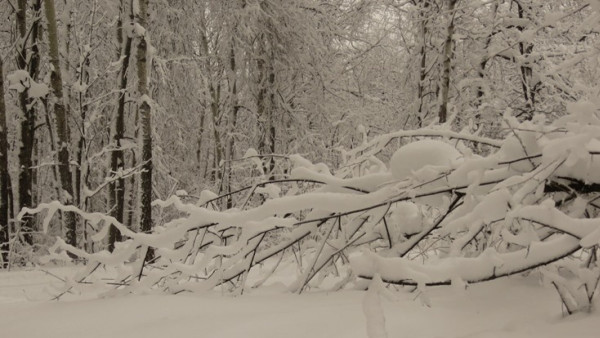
column 422, row 155
column 514, row 307
column 20, row 81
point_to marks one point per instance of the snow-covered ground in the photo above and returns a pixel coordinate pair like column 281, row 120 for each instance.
column 509, row 307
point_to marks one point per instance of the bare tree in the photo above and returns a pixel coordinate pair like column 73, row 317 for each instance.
column 424, row 30
column 525, row 49
column 4, row 175
column 145, row 121
column 30, row 63
column 116, row 194
column 62, row 127
column 448, row 56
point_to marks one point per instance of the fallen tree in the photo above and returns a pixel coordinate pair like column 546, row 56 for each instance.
column 439, row 214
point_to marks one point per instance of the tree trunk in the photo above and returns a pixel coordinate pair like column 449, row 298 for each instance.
column 525, row 50
column 233, row 121
column 62, row 127
column 423, row 64
column 4, row 176
column 262, row 109
column 214, row 91
column 132, row 202
column 199, row 158
column 82, row 168
column 84, row 78
column 215, row 95
column 448, row 56
column 266, row 105
column 34, row 69
column 27, row 127
column 146, row 125
column 132, row 209
column 484, row 61
column 271, row 115
column 116, row 194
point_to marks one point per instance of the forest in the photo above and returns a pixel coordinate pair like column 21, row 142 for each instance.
column 187, row 146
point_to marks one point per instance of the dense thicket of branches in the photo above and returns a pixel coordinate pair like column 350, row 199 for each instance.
column 109, row 105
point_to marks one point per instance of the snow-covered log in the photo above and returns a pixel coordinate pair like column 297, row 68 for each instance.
column 438, row 214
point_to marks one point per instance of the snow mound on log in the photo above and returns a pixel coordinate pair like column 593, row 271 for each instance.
column 417, row 155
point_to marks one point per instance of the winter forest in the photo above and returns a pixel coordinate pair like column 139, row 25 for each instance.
column 299, row 168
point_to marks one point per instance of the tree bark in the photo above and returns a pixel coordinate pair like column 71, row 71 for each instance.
column 116, row 193
column 423, row 64
column 265, row 104
column 448, row 56
column 230, row 155
column 27, row 127
column 271, row 116
column 525, row 50
column 214, row 91
column 62, row 127
column 484, row 61
column 215, row 95
column 82, row 169
column 199, row 158
column 4, row 176
column 146, row 125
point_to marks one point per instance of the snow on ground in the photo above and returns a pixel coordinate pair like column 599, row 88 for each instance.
column 510, row 307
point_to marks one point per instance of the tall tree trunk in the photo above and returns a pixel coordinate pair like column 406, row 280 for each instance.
column 116, row 194
column 27, row 127
column 146, row 124
column 448, row 56
column 423, row 64
column 199, row 158
column 272, row 121
column 261, row 108
column 233, row 120
column 34, row 69
column 84, row 79
column 62, row 127
column 481, row 72
column 82, row 168
column 215, row 95
column 525, row 50
column 4, row 176
column 132, row 200
column 266, row 105
column 203, row 161
column 214, row 91
column 484, row 61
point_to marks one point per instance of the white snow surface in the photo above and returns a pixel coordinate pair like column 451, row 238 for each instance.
column 416, row 156
column 509, row 307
